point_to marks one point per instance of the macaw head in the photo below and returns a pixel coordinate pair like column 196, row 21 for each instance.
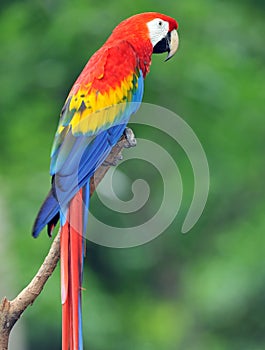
column 162, row 31
column 148, row 33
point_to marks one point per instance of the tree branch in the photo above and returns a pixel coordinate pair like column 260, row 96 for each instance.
column 10, row 311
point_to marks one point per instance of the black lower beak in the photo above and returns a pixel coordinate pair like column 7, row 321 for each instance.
column 163, row 45
column 168, row 44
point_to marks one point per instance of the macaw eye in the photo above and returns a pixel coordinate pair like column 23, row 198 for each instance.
column 160, row 23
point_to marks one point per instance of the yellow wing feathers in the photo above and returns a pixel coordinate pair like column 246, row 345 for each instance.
column 92, row 109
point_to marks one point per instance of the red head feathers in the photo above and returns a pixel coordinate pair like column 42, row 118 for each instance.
column 148, row 33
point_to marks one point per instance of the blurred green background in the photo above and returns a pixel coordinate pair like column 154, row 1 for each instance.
column 203, row 290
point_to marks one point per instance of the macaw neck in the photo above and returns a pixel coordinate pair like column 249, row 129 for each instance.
column 142, row 48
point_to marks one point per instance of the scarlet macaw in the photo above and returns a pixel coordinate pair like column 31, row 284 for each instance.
column 106, row 93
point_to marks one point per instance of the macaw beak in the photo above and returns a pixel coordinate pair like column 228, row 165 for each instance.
column 168, row 44
column 173, row 43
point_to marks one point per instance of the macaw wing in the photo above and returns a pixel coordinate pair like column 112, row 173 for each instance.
column 106, row 94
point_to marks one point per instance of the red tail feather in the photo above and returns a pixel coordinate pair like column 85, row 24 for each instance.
column 72, row 243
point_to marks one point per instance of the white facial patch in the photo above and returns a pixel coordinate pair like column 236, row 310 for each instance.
column 158, row 30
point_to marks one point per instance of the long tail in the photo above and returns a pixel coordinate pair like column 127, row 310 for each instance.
column 73, row 228
column 72, row 254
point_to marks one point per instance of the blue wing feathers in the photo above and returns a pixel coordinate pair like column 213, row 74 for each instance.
column 47, row 212
column 76, row 160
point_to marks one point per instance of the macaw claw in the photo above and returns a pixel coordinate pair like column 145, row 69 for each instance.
column 130, row 138
column 130, row 141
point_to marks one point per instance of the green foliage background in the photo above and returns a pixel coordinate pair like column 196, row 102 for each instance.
column 204, row 290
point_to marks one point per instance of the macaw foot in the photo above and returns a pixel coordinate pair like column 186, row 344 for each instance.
column 130, row 138
column 130, row 141
column 114, row 162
